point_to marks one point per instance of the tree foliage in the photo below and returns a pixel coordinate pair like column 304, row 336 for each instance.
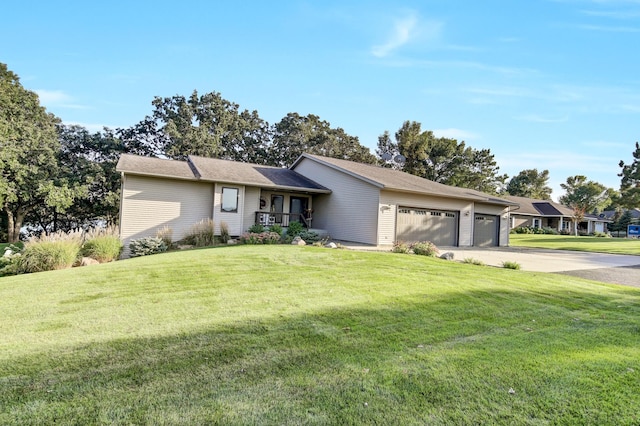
column 295, row 134
column 630, row 182
column 588, row 196
column 28, row 151
column 442, row 160
column 530, row 183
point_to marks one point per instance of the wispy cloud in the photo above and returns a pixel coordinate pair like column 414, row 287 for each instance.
column 613, row 14
column 454, row 133
column 611, row 29
column 91, row 127
column 604, row 144
column 406, row 30
column 57, row 98
column 534, row 118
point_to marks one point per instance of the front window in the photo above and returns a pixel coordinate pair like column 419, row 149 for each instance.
column 229, row 200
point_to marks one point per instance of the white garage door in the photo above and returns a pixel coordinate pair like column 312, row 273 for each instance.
column 485, row 230
column 438, row 226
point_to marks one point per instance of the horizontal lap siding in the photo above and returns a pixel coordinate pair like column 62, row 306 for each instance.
column 234, row 220
column 391, row 200
column 350, row 212
column 251, row 206
column 149, row 204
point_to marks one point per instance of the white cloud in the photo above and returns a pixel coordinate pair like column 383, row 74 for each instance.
column 454, row 133
column 614, row 29
column 539, row 119
column 57, row 98
column 406, row 30
column 92, row 128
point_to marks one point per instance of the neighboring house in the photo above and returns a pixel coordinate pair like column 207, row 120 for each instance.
column 609, row 214
column 351, row 201
column 549, row 214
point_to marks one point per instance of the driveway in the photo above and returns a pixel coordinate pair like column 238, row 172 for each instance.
column 611, row 268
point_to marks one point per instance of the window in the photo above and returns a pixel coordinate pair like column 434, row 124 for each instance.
column 536, row 223
column 229, row 200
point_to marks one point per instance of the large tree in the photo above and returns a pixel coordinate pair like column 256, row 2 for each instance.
column 295, row 134
column 530, row 183
column 630, row 183
column 584, row 197
column 442, row 160
column 28, row 155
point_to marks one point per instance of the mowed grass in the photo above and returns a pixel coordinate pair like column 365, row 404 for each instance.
column 567, row 242
column 304, row 335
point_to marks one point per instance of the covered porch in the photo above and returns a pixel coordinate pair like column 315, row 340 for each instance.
column 283, row 208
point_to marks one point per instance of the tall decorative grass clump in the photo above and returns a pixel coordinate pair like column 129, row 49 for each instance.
column 58, row 250
column 165, row 234
column 201, row 234
column 102, row 244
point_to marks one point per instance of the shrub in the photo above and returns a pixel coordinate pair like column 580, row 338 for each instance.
column 510, row 265
column 201, row 234
column 165, row 234
column 146, row 246
column 400, row 247
column 224, row 232
column 50, row 252
column 256, row 228
column 472, row 261
column 276, row 228
column 602, row 234
column 9, row 260
column 309, row 237
column 425, row 248
column 260, row 238
column 294, row 229
column 102, row 244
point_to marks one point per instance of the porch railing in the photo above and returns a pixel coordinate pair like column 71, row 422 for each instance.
column 282, row 219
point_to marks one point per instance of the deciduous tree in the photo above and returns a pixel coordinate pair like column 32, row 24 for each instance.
column 530, row 183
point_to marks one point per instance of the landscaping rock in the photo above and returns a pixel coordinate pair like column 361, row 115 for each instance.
column 331, row 245
column 232, row 242
column 447, row 256
column 87, row 261
column 184, row 247
column 298, row 241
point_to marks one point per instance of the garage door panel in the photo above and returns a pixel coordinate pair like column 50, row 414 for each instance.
column 439, row 227
column 485, row 230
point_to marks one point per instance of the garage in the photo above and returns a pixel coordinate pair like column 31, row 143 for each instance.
column 418, row 224
column 486, row 230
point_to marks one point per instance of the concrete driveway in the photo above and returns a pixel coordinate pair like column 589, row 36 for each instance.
column 612, row 268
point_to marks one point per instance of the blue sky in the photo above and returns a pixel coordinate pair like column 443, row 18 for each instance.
column 546, row 84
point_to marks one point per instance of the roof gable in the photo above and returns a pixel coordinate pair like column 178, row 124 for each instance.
column 396, row 180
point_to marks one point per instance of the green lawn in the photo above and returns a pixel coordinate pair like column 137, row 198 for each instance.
column 565, row 242
column 306, row 335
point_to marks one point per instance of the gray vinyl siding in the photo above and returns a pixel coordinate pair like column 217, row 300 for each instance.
column 350, row 212
column 251, row 206
column 149, row 204
column 234, row 220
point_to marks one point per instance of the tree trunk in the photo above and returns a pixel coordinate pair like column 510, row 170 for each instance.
column 14, row 222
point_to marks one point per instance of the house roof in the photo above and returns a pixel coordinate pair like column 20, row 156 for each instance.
column 215, row 170
column 396, row 180
column 609, row 214
column 148, row 166
column 533, row 207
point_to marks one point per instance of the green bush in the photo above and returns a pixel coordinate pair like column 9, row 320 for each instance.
column 201, row 234
column 50, row 252
column 9, row 260
column 294, row 229
column 425, row 248
column 146, row 246
column 104, row 248
column 276, row 228
column 256, row 228
column 510, row 265
column 309, row 237
column 602, row 234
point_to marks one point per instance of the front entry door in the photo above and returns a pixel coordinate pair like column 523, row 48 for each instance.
column 298, row 206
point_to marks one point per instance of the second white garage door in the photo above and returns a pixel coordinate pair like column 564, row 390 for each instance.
column 438, row 226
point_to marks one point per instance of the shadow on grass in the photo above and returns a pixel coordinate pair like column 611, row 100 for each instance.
column 570, row 357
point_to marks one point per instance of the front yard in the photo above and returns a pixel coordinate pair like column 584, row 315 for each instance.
column 564, row 242
column 306, row 335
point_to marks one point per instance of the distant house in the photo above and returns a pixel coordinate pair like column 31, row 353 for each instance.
column 549, row 214
column 351, row 201
column 609, row 214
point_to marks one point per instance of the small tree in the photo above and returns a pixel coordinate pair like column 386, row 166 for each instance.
column 577, row 217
